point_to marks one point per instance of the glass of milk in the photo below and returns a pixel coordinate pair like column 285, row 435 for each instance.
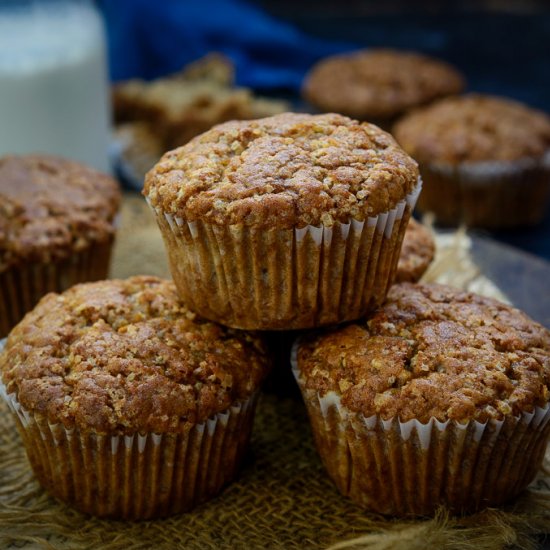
column 54, row 95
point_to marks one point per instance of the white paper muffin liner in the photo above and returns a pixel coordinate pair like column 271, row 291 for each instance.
column 487, row 194
column 22, row 285
column 259, row 279
column 137, row 476
column 411, row 468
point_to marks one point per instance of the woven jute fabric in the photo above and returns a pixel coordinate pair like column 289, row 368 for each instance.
column 282, row 498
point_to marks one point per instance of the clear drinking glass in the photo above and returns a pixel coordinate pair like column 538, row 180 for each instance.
column 54, row 95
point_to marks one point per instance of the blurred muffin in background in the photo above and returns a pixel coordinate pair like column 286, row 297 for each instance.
column 380, row 84
column 182, row 105
column 417, row 253
column 484, row 160
column 56, row 229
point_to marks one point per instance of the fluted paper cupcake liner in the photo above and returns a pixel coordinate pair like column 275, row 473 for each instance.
column 259, row 279
column 487, row 194
column 411, row 468
column 137, row 476
column 22, row 285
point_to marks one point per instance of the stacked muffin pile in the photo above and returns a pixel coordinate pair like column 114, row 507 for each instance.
column 135, row 398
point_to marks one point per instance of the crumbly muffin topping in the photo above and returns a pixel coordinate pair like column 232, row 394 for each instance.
column 417, row 252
column 50, row 207
column 121, row 356
column 433, row 351
column 284, row 171
column 379, row 83
column 474, row 128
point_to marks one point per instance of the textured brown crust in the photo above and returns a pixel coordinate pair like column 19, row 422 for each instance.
column 434, row 351
column 379, row 83
column 474, row 128
column 126, row 356
column 285, row 171
column 417, row 253
column 51, row 208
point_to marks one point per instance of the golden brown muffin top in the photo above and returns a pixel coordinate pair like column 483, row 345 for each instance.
column 284, row 171
column 417, row 253
column 379, row 83
column 433, row 351
column 50, row 207
column 474, row 128
column 125, row 356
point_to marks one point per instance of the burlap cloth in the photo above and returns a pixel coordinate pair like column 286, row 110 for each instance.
column 282, row 498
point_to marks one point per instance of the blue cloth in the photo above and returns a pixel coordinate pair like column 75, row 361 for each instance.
column 148, row 39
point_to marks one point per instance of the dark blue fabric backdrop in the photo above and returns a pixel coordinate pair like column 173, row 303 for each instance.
column 151, row 38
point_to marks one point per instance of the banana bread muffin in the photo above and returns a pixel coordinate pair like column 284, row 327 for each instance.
column 287, row 222
column 180, row 106
column 379, row 84
column 485, row 160
column 129, row 405
column 440, row 397
column 417, row 253
column 56, row 229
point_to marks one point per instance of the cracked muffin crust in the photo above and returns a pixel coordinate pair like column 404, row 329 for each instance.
column 433, row 351
column 379, row 83
column 285, row 171
column 417, row 253
column 122, row 356
column 474, row 128
column 51, row 207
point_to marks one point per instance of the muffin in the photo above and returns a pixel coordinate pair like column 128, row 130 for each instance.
column 56, row 229
column 441, row 397
column 417, row 253
column 287, row 222
column 378, row 85
column 485, row 161
column 130, row 406
column 179, row 106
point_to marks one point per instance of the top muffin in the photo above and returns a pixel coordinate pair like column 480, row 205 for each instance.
column 285, row 171
column 474, row 128
column 433, row 351
column 51, row 207
column 379, row 83
column 122, row 356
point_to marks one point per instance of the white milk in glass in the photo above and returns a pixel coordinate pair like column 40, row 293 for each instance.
column 53, row 80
